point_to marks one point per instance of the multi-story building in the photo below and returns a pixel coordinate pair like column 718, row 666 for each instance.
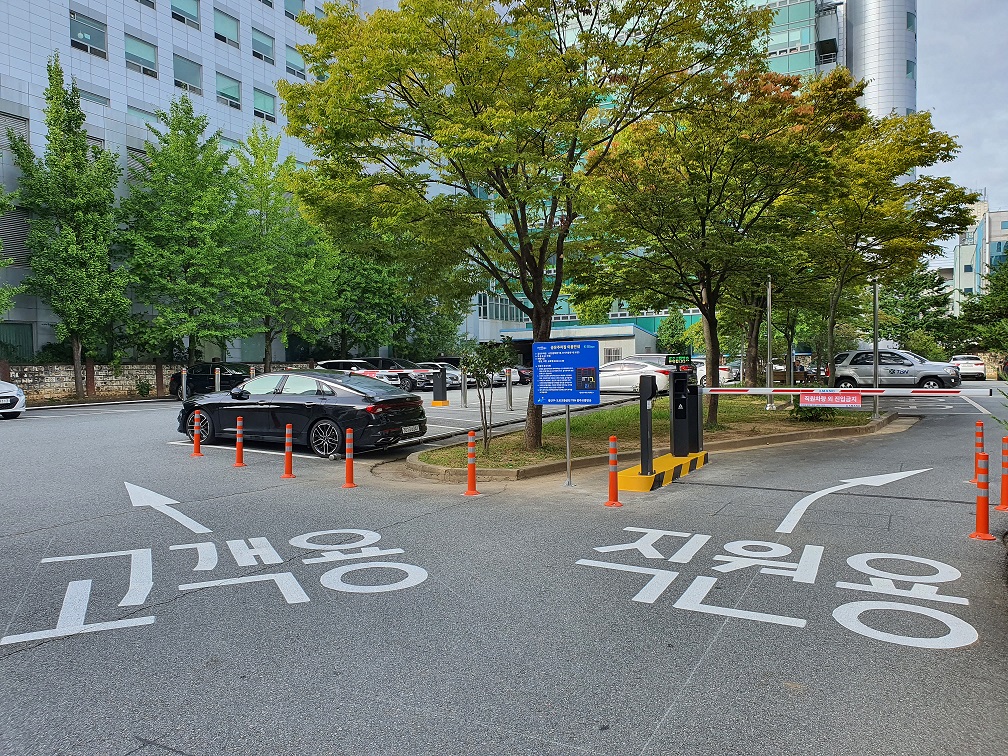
column 130, row 58
column 981, row 248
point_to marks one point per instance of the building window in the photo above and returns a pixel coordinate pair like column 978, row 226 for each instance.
column 911, row 70
column 88, row 35
column 95, row 141
column 228, row 91
column 134, row 159
column 295, row 63
column 912, row 22
column 319, row 13
column 144, row 115
column 141, row 56
column 967, row 268
column 188, row 75
column 611, row 354
column 267, row 3
column 968, row 290
column 229, row 145
column 186, row 11
column 264, row 105
column 1004, row 225
column 262, row 46
column 293, row 7
column 148, row 3
column 93, row 97
column 225, row 28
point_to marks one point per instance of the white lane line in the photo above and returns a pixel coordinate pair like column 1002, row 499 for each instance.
column 984, row 410
column 203, row 447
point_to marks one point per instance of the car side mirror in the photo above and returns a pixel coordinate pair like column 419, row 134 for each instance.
column 908, row 362
column 239, row 393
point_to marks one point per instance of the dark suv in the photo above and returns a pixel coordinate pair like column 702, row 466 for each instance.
column 896, row 369
column 200, row 378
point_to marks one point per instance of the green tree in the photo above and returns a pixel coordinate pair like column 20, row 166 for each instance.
column 482, row 361
column 987, row 314
column 7, row 292
column 69, row 195
column 692, row 197
column 184, row 229
column 428, row 327
column 672, row 331
column 289, row 263
column 474, row 124
column 871, row 218
column 918, row 301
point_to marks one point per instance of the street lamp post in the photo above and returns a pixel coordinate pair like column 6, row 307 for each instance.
column 769, row 344
column 875, row 358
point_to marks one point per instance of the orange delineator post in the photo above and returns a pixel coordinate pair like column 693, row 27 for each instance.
column 349, row 460
column 982, row 531
column 1003, row 506
column 240, row 444
column 613, row 476
column 289, row 453
column 978, row 449
column 196, row 437
column 471, row 488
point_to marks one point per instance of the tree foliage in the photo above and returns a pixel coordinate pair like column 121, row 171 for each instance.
column 918, row 301
column 671, row 331
column 7, row 292
column 484, row 360
column 183, row 239
column 474, row 124
column 69, row 195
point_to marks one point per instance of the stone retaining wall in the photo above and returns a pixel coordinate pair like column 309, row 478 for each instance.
column 46, row 382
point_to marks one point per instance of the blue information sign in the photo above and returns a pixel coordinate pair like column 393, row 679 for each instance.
column 565, row 372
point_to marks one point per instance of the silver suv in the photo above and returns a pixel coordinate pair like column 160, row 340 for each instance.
column 897, row 369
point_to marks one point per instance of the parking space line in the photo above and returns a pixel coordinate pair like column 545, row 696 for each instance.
column 984, row 410
column 299, row 455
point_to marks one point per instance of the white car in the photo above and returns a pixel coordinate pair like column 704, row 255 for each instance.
column 12, row 401
column 625, row 375
column 970, row 366
column 725, row 374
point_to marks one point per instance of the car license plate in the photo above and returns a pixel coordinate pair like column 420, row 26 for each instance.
column 8, row 402
column 411, row 429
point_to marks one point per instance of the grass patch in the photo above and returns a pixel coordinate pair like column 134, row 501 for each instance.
column 738, row 417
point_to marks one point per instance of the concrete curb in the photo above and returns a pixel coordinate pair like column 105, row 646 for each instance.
column 109, row 403
column 458, row 474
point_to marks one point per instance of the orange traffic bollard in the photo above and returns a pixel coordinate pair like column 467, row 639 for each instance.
column 471, row 489
column 289, row 453
column 240, row 444
column 196, row 436
column 349, row 460
column 978, row 447
column 613, row 476
column 983, row 502
column 1003, row 506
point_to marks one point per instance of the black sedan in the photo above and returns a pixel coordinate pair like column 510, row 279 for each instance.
column 200, row 378
column 319, row 404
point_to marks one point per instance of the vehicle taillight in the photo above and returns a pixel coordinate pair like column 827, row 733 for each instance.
column 374, row 409
column 663, row 372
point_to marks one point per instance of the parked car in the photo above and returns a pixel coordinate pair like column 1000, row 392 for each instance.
column 411, row 376
column 453, row 376
column 970, row 366
column 320, row 404
column 624, row 376
column 896, row 368
column 200, row 378
column 524, row 374
column 12, row 401
column 361, row 367
column 725, row 374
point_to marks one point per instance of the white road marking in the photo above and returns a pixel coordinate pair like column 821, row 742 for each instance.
column 960, row 633
column 984, row 410
column 141, row 497
column 795, row 515
column 204, row 447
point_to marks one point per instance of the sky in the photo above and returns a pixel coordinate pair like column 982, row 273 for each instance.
column 962, row 78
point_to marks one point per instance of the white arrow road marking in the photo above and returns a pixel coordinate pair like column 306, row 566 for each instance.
column 141, row 497
column 788, row 525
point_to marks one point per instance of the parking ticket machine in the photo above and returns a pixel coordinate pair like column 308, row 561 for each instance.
column 682, row 374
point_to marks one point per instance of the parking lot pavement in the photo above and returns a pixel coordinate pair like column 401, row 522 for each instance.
column 203, row 610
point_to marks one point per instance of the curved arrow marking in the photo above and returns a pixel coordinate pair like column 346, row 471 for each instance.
column 795, row 515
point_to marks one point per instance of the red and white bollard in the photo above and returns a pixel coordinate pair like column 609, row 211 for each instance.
column 978, row 449
column 349, row 460
column 982, row 503
column 471, row 488
column 289, row 453
column 196, row 436
column 613, row 476
column 240, row 444
column 252, row 371
column 1003, row 506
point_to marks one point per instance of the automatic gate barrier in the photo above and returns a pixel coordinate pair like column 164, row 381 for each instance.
column 685, row 429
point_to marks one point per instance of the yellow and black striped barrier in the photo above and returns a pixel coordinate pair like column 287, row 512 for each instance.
column 666, row 469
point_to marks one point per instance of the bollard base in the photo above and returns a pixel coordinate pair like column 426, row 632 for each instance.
column 239, row 464
column 983, row 536
column 288, row 476
column 614, row 504
column 666, row 469
column 349, row 485
column 472, row 493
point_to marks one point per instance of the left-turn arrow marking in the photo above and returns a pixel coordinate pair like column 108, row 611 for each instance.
column 141, row 497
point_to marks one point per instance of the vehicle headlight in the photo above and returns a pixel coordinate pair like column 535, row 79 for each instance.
column 19, row 392
column 951, row 370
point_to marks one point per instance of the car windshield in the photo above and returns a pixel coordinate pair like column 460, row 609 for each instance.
column 406, row 364
column 917, row 357
column 360, row 383
column 966, row 358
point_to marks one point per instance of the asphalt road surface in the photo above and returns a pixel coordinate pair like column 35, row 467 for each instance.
column 774, row 601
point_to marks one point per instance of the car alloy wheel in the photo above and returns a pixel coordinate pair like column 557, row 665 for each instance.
column 406, row 383
column 930, row 383
column 846, row 383
column 206, row 427
column 326, row 439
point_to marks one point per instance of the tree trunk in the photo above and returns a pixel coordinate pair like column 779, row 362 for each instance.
column 268, row 348
column 75, row 343
column 542, row 323
column 713, row 361
column 830, row 338
column 754, row 326
column 191, row 352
